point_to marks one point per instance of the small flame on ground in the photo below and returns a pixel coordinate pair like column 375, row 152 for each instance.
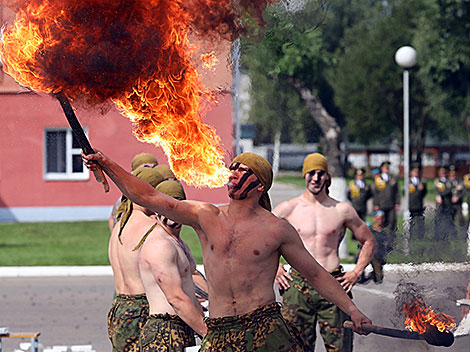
column 419, row 318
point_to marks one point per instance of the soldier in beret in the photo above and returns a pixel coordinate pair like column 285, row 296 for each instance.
column 444, row 220
column 386, row 195
column 359, row 192
column 417, row 191
column 457, row 196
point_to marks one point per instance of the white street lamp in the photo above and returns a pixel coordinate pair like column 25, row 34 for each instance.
column 406, row 57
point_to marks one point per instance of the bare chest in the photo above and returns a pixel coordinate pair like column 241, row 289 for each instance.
column 241, row 241
column 317, row 223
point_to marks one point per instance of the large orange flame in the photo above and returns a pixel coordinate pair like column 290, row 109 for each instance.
column 136, row 54
column 419, row 317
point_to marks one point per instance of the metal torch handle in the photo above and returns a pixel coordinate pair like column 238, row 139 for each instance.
column 80, row 135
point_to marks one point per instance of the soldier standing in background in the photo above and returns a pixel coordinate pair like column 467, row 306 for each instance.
column 444, row 220
column 457, row 196
column 386, row 195
column 417, row 191
column 466, row 196
column 358, row 193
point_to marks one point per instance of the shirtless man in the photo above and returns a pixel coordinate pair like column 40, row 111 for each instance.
column 241, row 244
column 139, row 160
column 321, row 223
column 130, row 307
column 166, row 265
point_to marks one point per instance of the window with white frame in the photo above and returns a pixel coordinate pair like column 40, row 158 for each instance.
column 62, row 157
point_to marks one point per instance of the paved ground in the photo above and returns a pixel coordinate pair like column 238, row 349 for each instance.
column 71, row 310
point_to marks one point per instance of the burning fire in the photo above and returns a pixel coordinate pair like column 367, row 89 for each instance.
column 137, row 55
column 209, row 60
column 419, row 318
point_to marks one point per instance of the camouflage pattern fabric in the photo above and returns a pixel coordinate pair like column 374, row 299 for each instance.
column 126, row 318
column 166, row 333
column 262, row 330
column 303, row 307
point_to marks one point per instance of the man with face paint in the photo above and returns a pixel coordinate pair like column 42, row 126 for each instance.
column 130, row 307
column 241, row 244
column 166, row 264
column 321, row 222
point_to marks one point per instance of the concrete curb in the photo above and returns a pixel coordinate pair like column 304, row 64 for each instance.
column 106, row 270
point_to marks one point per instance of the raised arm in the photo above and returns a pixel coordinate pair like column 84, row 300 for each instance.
column 164, row 266
column 140, row 192
column 363, row 235
column 301, row 260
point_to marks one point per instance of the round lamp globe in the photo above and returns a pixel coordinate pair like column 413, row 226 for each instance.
column 406, row 57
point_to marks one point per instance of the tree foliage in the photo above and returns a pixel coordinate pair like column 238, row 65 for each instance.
column 342, row 54
column 290, row 46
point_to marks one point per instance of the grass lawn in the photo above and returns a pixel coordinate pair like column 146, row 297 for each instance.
column 65, row 243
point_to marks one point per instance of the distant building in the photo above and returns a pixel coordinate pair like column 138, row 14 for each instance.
column 436, row 153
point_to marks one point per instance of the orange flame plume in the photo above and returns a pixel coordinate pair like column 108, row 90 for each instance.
column 419, row 318
column 136, row 54
column 209, row 60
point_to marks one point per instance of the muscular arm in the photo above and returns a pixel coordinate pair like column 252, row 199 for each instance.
column 140, row 192
column 165, row 270
column 364, row 236
column 297, row 255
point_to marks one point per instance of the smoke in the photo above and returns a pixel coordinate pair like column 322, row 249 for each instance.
column 101, row 48
column 224, row 19
column 405, row 293
column 433, row 238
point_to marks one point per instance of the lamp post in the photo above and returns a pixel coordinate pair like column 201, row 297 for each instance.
column 406, row 57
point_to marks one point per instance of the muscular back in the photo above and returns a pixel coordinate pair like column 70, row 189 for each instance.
column 125, row 261
column 321, row 226
column 169, row 261
column 241, row 254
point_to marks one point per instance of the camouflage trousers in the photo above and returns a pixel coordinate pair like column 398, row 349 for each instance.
column 126, row 318
column 166, row 333
column 303, row 307
column 262, row 330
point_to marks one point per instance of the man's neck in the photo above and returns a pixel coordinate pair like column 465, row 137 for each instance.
column 175, row 233
column 146, row 212
column 243, row 207
column 315, row 198
column 377, row 227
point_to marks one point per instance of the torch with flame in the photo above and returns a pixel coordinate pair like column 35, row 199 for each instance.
column 421, row 318
column 422, row 323
column 136, row 54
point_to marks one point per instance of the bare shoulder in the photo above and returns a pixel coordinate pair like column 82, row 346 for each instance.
column 283, row 228
column 156, row 246
column 285, row 208
column 345, row 208
column 206, row 208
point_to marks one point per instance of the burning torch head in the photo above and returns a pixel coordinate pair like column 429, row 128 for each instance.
column 438, row 338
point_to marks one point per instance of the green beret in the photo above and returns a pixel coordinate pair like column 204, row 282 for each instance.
column 143, row 158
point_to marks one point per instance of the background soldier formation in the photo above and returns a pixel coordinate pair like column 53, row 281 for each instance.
column 452, row 198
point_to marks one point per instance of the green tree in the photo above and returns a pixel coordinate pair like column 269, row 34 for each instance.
column 369, row 91
column 442, row 40
column 288, row 85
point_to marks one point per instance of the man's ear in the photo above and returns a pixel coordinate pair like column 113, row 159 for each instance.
column 260, row 188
